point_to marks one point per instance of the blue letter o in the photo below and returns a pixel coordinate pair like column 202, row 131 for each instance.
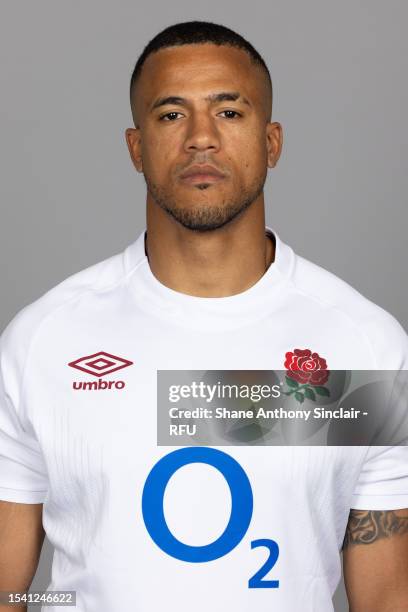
column 241, row 507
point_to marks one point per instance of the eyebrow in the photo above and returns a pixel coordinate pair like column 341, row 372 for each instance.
column 229, row 96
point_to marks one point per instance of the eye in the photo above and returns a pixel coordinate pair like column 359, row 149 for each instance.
column 172, row 116
column 231, row 114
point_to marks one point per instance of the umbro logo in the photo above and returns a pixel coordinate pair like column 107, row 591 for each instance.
column 99, row 364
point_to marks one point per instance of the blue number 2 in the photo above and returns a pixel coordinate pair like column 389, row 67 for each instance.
column 256, row 581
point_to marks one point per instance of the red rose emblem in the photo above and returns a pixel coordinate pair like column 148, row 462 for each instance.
column 306, row 367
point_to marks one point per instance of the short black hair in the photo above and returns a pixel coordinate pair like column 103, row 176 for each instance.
column 194, row 33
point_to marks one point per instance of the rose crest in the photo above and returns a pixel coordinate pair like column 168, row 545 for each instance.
column 306, row 374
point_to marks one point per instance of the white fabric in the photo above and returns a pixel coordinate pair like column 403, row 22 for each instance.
column 86, row 453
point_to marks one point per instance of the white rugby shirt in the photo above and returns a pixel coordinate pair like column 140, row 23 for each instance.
column 78, row 433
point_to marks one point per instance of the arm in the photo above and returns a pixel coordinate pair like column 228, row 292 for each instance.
column 375, row 560
column 21, row 539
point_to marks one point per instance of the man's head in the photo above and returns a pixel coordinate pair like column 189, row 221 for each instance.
column 201, row 99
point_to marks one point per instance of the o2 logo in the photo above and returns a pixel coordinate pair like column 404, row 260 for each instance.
column 240, row 518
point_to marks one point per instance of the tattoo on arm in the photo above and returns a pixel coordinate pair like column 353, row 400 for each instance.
column 367, row 526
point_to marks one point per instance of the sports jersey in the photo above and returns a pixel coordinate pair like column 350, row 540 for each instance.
column 144, row 527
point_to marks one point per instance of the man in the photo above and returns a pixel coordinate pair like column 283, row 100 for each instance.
column 139, row 526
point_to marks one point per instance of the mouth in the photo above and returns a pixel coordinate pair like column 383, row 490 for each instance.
column 201, row 174
column 194, row 179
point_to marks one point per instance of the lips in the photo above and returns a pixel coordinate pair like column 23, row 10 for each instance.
column 203, row 173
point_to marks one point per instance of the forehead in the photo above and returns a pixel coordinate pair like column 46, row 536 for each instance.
column 191, row 69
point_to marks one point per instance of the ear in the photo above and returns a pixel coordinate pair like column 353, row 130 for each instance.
column 133, row 140
column 274, row 141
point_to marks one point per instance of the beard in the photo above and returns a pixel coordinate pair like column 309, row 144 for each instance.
column 203, row 217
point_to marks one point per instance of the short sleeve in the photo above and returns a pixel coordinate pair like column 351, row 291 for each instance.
column 23, row 475
column 383, row 480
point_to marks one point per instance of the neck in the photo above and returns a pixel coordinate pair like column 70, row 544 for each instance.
column 217, row 263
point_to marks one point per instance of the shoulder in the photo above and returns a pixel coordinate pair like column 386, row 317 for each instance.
column 18, row 334
column 383, row 332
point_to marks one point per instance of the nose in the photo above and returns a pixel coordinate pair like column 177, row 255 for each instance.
column 202, row 134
